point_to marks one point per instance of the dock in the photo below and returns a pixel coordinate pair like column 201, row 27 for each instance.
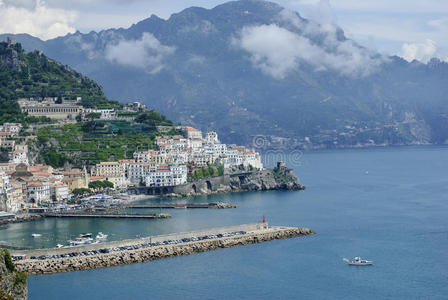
column 182, row 205
column 113, row 216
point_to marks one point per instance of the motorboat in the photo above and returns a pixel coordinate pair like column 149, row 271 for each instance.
column 82, row 239
column 59, row 245
column 36, row 235
column 79, row 241
column 358, row 261
column 101, row 237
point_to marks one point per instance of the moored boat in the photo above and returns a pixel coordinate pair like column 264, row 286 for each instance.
column 101, row 237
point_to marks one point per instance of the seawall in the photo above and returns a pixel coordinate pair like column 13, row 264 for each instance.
column 257, row 234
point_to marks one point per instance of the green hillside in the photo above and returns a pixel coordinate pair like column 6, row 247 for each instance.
column 32, row 74
column 89, row 141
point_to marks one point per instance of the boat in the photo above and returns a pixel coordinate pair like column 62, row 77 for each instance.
column 357, row 261
column 82, row 239
column 79, row 241
column 101, row 237
column 59, row 245
column 36, row 235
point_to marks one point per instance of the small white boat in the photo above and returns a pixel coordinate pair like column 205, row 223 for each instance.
column 80, row 241
column 36, row 235
column 357, row 261
column 59, row 245
column 101, row 237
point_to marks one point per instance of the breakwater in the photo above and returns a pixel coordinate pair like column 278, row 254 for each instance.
column 113, row 216
column 218, row 205
column 148, row 249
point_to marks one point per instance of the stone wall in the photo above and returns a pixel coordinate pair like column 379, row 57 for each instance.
column 153, row 253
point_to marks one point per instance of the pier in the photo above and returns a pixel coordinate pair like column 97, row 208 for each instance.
column 47, row 261
column 113, row 216
column 186, row 205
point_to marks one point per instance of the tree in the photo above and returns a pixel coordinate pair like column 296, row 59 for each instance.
column 221, row 170
column 81, row 191
column 93, row 116
column 108, row 184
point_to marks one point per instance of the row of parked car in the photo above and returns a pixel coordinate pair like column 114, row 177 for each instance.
column 130, row 247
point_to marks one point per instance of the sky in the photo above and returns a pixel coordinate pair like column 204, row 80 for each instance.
column 413, row 29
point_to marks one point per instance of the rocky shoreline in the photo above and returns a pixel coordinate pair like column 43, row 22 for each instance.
column 237, row 180
column 68, row 264
column 19, row 218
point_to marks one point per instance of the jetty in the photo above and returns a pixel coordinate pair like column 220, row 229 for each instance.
column 113, row 216
column 219, row 205
column 6, row 246
column 92, row 256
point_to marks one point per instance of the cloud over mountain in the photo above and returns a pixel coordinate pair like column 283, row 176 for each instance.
column 278, row 51
column 146, row 53
column 35, row 18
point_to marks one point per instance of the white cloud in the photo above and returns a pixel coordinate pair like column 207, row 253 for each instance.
column 146, row 53
column 420, row 51
column 278, row 51
column 37, row 20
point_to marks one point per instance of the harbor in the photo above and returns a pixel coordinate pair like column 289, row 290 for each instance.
column 92, row 256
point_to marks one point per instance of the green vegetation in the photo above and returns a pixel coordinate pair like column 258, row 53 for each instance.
column 153, row 118
column 81, row 191
column 19, row 278
column 99, row 185
column 209, row 171
column 55, row 159
column 94, row 141
column 32, row 74
column 8, row 261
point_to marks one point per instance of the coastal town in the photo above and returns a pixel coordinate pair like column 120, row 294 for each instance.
column 179, row 158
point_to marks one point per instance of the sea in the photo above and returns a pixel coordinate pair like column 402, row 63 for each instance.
column 389, row 205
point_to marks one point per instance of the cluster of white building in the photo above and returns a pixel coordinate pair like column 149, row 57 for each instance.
column 22, row 185
column 176, row 157
column 9, row 132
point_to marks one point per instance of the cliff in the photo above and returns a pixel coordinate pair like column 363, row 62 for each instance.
column 279, row 178
column 12, row 283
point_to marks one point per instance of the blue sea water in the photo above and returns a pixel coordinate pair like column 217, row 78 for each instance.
column 386, row 204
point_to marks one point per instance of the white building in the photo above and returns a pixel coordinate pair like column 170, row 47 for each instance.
column 138, row 171
column 12, row 128
column 60, row 192
column 18, row 157
column 167, row 176
column 193, row 133
column 105, row 114
column 212, row 138
column 38, row 192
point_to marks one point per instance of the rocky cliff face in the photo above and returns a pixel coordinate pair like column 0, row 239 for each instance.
column 12, row 283
column 279, row 178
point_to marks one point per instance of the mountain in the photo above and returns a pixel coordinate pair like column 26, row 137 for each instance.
column 262, row 75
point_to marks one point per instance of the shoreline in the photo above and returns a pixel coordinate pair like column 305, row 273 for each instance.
column 256, row 233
